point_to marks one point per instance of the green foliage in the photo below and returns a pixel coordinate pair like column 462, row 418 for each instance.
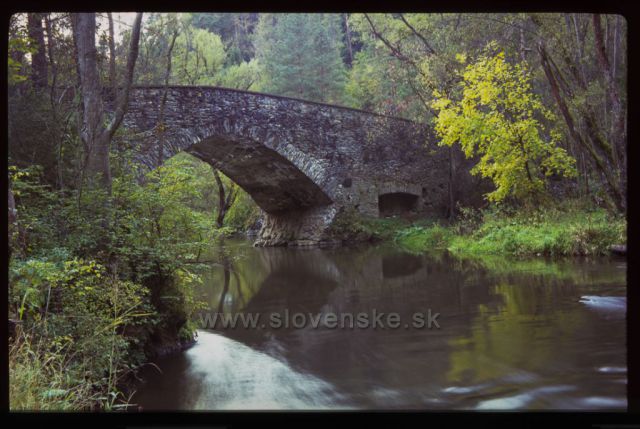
column 364, row 86
column 41, row 137
column 497, row 119
column 420, row 238
column 235, row 29
column 571, row 228
column 155, row 38
column 170, row 215
column 154, row 230
column 300, row 55
column 28, row 190
column 565, row 230
column 379, row 84
column 18, row 46
column 240, row 76
column 468, row 220
column 40, row 379
column 73, row 305
column 378, row 80
column 350, row 226
column 243, row 214
column 198, row 57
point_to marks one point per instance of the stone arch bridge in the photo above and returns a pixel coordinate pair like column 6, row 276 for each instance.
column 302, row 162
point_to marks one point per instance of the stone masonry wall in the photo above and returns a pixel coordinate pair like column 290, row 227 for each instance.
column 301, row 161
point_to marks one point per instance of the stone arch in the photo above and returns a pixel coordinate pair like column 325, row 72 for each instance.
column 274, row 182
column 301, row 161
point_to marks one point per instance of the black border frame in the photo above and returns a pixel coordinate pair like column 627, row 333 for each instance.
column 613, row 420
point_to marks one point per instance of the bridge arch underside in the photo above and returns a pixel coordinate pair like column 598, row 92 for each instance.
column 275, row 183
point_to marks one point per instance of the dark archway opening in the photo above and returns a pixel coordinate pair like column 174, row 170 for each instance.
column 273, row 181
column 397, row 203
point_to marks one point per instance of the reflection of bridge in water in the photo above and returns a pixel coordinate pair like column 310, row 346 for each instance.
column 341, row 281
column 514, row 331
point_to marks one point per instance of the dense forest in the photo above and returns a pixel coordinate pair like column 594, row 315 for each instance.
column 104, row 253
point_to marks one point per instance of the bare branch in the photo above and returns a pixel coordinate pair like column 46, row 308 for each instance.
column 420, row 36
column 131, row 63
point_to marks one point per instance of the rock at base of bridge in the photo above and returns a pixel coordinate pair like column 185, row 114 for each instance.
column 298, row 228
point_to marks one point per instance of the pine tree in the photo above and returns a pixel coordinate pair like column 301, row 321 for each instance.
column 301, row 55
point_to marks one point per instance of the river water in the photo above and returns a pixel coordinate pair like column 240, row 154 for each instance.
column 521, row 334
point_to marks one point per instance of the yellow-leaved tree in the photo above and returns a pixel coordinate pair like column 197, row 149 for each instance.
column 499, row 118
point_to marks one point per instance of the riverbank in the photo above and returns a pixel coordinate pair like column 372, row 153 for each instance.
column 568, row 229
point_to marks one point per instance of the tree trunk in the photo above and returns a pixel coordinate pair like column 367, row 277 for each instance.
column 222, row 210
column 580, row 46
column 95, row 136
column 618, row 137
column 452, row 207
column 12, row 219
column 616, row 42
column 347, row 31
column 11, row 205
column 163, row 101
column 225, row 199
column 39, row 57
column 92, row 109
column 112, row 56
column 616, row 193
column 51, row 50
column 523, row 46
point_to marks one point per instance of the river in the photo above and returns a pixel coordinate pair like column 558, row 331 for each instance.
column 513, row 334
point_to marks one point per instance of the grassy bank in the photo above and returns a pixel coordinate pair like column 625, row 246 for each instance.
column 571, row 228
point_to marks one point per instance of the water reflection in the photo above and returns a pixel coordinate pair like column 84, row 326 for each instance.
column 400, row 265
column 512, row 336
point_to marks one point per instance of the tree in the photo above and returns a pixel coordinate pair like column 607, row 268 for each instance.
column 240, row 76
column 618, row 132
column 198, row 56
column 404, row 59
column 300, row 55
column 95, row 135
column 161, row 127
column 589, row 93
column 226, row 198
column 235, row 29
column 500, row 119
column 38, row 56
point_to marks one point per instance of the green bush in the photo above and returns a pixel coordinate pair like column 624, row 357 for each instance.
column 420, row 239
column 351, row 226
column 41, row 379
column 571, row 228
column 243, row 214
column 144, row 240
column 73, row 316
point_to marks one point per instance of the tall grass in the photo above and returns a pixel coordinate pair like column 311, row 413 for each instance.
column 45, row 375
column 350, row 226
column 571, row 228
column 40, row 377
column 421, row 238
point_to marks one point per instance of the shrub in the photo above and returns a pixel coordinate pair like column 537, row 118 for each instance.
column 570, row 228
column 74, row 315
column 420, row 239
column 41, row 377
column 350, row 226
